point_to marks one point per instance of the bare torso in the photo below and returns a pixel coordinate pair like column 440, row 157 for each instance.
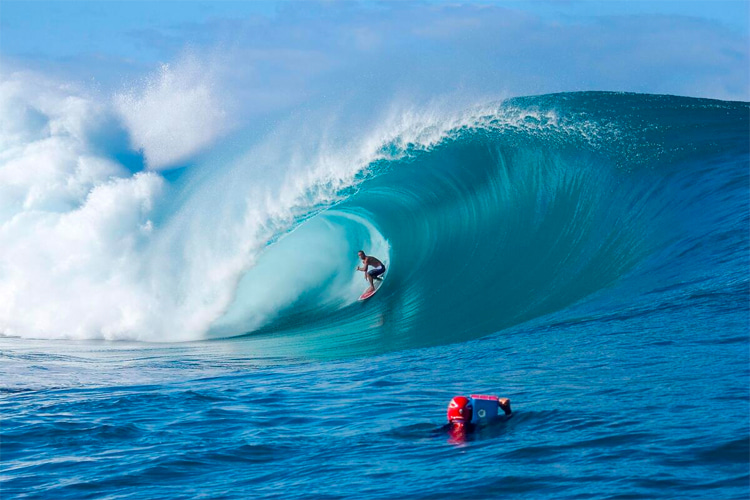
column 371, row 261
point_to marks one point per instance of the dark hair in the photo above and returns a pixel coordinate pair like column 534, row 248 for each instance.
column 361, row 252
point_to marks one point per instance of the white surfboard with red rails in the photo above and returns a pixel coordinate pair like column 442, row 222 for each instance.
column 377, row 283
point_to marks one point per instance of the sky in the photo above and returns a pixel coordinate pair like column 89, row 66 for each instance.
column 696, row 48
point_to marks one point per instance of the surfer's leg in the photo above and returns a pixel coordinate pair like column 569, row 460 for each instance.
column 369, row 279
column 378, row 274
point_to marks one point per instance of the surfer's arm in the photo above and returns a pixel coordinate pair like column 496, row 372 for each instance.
column 504, row 404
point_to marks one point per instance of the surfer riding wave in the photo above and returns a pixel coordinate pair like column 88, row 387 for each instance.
column 376, row 268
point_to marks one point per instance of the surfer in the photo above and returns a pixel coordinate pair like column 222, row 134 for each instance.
column 376, row 268
column 465, row 414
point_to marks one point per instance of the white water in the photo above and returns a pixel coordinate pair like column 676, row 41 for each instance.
column 91, row 249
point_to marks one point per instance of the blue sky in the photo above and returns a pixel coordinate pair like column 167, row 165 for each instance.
column 306, row 48
column 61, row 28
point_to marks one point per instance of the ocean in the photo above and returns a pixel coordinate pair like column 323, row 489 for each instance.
column 584, row 254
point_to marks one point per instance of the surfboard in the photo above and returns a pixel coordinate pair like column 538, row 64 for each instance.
column 377, row 283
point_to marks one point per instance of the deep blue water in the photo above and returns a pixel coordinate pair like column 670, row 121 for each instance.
column 585, row 255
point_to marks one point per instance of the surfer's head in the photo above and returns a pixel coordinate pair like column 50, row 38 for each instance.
column 460, row 410
column 362, row 254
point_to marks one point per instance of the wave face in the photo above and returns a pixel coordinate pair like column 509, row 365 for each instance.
column 522, row 212
column 486, row 219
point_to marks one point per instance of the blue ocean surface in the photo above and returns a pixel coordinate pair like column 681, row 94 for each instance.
column 585, row 255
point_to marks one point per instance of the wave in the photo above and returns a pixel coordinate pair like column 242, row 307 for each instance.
column 486, row 218
column 524, row 212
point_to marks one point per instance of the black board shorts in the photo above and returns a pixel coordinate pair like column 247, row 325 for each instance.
column 377, row 271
